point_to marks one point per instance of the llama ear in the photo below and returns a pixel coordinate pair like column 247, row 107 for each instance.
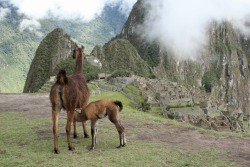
column 82, row 47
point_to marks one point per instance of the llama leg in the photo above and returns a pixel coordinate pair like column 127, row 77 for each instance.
column 120, row 130
column 114, row 118
column 93, row 134
column 55, row 117
column 70, row 119
column 85, row 130
column 123, row 138
column 123, row 135
column 75, row 132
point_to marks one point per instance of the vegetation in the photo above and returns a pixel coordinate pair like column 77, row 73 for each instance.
column 17, row 48
column 145, row 106
column 149, row 51
column 210, row 79
column 120, row 73
column 90, row 71
column 29, row 142
column 46, row 54
column 121, row 58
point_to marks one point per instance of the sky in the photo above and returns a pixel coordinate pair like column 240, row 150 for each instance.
column 85, row 10
column 181, row 25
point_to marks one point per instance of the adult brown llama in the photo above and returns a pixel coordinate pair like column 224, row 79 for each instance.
column 69, row 93
column 100, row 109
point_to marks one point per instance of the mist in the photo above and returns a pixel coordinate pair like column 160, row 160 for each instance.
column 3, row 12
column 83, row 10
column 181, row 25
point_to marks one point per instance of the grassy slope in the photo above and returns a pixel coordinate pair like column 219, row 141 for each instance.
column 15, row 56
column 26, row 142
column 121, row 55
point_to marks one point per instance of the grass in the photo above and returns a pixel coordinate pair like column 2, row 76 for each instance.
column 29, row 142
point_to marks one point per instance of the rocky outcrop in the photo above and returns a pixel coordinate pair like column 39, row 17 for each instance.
column 231, row 52
column 54, row 48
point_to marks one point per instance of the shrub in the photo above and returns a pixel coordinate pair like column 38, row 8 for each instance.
column 209, row 79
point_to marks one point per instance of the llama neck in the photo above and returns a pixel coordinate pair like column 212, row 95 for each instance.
column 78, row 65
column 80, row 117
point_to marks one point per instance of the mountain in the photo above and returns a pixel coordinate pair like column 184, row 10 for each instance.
column 54, row 53
column 229, row 62
column 223, row 70
column 54, row 48
column 17, row 48
column 121, row 55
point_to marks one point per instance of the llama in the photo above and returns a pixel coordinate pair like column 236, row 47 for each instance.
column 98, row 110
column 78, row 55
column 69, row 93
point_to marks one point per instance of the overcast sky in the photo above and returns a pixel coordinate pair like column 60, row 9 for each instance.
column 85, row 10
column 181, row 24
column 178, row 24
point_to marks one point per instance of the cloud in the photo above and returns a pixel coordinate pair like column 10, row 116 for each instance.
column 3, row 12
column 31, row 25
column 84, row 10
column 181, row 25
column 126, row 6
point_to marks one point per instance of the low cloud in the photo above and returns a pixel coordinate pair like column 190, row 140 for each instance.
column 3, row 12
column 181, row 25
column 84, row 10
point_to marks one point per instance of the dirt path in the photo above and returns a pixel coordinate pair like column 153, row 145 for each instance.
column 238, row 149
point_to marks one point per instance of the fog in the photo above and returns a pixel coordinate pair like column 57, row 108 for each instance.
column 3, row 12
column 181, row 25
column 83, row 10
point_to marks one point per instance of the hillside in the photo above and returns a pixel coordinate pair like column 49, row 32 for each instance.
column 222, row 70
column 57, row 46
column 17, row 48
column 121, row 55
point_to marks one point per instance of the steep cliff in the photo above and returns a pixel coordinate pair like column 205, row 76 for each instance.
column 230, row 55
column 54, row 48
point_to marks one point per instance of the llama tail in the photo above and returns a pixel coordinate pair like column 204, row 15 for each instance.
column 61, row 77
column 118, row 103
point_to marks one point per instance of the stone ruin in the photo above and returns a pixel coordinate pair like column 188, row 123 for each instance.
column 218, row 123
column 230, row 119
column 163, row 92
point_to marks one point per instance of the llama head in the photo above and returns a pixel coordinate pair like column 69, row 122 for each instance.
column 78, row 52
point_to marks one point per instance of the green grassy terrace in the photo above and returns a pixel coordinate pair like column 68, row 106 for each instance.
column 29, row 142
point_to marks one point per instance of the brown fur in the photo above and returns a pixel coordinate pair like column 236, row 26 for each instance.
column 100, row 109
column 69, row 93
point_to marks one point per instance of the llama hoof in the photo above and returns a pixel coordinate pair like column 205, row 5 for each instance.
column 71, row 148
column 86, row 136
column 91, row 148
column 75, row 136
column 56, row 151
column 119, row 146
column 124, row 145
